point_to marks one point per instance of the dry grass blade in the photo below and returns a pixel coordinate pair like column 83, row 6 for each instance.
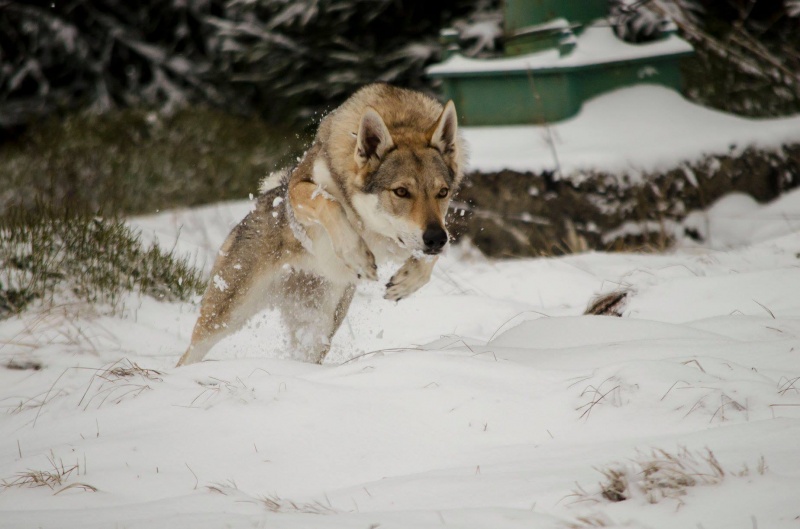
column 82, row 486
column 695, row 362
column 786, row 384
column 765, row 308
column 380, row 352
column 30, row 403
column 596, row 398
column 44, row 400
column 72, row 323
column 223, row 487
column 592, row 520
column 726, row 402
column 277, row 504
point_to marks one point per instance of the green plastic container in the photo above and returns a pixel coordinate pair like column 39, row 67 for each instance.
column 511, row 98
column 559, row 58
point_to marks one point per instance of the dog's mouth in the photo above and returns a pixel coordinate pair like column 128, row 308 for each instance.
column 416, row 249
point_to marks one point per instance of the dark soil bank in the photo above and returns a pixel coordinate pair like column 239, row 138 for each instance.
column 522, row 214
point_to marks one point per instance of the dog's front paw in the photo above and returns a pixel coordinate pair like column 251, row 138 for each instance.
column 356, row 255
column 410, row 278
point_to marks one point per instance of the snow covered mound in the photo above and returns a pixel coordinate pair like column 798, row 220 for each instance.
column 486, row 400
column 639, row 129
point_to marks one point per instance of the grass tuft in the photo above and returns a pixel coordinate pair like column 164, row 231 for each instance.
column 45, row 251
column 660, row 475
column 114, row 384
column 274, row 503
column 52, row 478
column 611, row 304
column 126, row 369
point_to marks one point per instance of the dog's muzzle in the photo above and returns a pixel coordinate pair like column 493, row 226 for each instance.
column 435, row 238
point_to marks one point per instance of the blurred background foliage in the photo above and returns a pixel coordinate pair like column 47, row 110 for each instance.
column 132, row 160
column 131, row 107
column 284, row 60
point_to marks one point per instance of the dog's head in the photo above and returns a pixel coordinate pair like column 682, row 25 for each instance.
column 409, row 179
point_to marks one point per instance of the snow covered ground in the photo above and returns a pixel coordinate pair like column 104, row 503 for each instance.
column 486, row 400
column 633, row 130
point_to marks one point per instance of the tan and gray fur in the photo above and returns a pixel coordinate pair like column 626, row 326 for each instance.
column 374, row 186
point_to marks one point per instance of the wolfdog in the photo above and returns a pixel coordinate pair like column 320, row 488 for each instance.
column 373, row 187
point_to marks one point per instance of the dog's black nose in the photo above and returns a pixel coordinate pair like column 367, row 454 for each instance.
column 434, row 238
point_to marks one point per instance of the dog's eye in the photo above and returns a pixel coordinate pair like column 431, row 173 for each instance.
column 401, row 192
column 443, row 192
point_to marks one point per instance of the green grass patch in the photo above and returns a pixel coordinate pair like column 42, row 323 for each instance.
column 47, row 253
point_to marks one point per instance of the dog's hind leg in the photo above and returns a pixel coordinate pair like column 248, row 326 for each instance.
column 342, row 304
column 215, row 323
column 240, row 286
column 197, row 351
column 221, row 316
column 312, row 309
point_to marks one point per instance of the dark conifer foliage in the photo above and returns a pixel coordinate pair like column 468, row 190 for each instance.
column 290, row 60
column 283, row 59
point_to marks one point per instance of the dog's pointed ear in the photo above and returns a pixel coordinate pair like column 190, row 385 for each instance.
column 373, row 138
column 445, row 133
